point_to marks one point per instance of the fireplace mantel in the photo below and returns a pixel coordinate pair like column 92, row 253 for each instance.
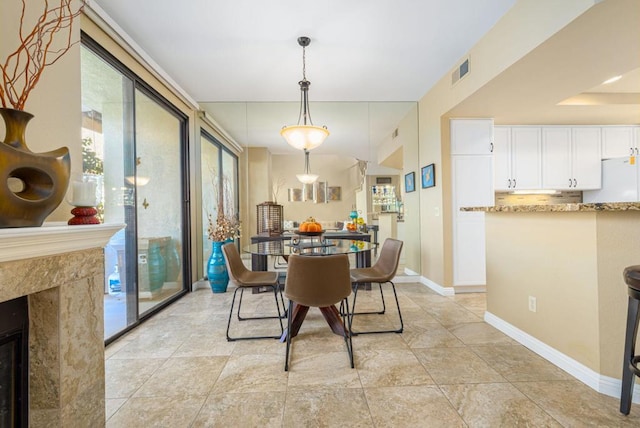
column 52, row 238
column 61, row 270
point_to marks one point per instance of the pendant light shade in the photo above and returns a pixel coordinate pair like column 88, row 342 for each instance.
column 307, row 177
column 304, row 135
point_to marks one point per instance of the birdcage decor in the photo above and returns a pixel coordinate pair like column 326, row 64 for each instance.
column 270, row 218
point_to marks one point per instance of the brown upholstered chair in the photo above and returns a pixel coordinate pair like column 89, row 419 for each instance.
column 318, row 281
column 381, row 272
column 244, row 278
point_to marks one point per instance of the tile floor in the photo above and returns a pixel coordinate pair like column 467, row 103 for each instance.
column 448, row 369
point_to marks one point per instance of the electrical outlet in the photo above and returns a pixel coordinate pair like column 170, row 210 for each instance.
column 533, row 304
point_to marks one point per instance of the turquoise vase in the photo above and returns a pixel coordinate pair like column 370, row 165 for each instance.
column 172, row 261
column 157, row 267
column 217, row 269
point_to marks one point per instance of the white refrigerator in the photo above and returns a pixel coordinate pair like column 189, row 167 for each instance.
column 620, row 182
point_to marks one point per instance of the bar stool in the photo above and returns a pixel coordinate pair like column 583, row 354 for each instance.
column 630, row 363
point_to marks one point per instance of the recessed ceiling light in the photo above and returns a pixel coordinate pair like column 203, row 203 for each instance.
column 613, row 79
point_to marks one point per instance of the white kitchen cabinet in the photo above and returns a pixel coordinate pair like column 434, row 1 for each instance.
column 618, row 141
column 472, row 186
column 471, row 136
column 586, row 160
column 571, row 158
column 518, row 156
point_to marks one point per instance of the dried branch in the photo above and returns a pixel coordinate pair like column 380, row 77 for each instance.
column 22, row 69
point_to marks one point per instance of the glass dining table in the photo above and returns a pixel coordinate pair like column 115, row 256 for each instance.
column 313, row 246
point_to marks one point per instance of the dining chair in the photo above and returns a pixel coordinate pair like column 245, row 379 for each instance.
column 322, row 282
column 244, row 278
column 381, row 272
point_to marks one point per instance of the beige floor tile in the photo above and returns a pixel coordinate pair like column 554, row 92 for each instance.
column 204, row 345
column 379, row 342
column 156, row 412
column 183, row 351
column 112, row 405
column 474, row 302
column 331, row 369
column 390, row 367
column 417, row 317
column 183, row 377
column 258, row 347
column 431, row 336
column 479, row 333
column 517, row 363
column 124, row 377
column 456, row 365
column 411, row 406
column 146, row 347
column 253, row 373
column 250, row 409
column 496, row 405
column 326, row 407
column 574, row 404
column 450, row 313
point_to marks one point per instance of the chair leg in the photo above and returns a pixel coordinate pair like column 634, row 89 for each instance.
column 355, row 295
column 278, row 317
column 286, row 356
column 628, row 372
column 346, row 320
column 395, row 295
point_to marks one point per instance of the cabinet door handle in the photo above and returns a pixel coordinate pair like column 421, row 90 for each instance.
column 631, row 151
column 490, row 147
column 509, row 185
column 636, row 150
column 575, row 182
column 569, row 182
column 514, row 183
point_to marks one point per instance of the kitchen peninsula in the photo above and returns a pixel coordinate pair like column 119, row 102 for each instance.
column 554, row 282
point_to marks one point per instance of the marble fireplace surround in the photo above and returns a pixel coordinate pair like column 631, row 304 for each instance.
column 61, row 270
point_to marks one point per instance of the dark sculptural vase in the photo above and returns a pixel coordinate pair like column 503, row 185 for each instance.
column 32, row 185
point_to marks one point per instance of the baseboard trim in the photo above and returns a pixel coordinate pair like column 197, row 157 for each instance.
column 443, row 291
column 600, row 383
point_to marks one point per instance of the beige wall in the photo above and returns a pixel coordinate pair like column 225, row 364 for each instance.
column 259, row 182
column 526, row 25
column 335, row 170
column 408, row 141
column 552, row 257
column 55, row 102
column 572, row 263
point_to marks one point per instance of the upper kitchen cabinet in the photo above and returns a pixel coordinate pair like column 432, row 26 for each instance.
column 618, row 141
column 471, row 136
column 517, row 158
column 571, row 158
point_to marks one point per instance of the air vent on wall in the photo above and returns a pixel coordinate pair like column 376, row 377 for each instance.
column 460, row 72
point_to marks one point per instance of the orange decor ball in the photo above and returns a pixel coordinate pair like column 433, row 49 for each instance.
column 310, row 225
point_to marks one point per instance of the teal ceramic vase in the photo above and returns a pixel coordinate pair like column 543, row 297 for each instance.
column 217, row 269
column 157, row 267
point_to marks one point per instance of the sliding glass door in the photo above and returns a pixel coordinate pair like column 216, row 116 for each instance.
column 134, row 147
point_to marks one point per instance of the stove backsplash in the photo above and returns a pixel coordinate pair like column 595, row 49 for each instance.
column 567, row 197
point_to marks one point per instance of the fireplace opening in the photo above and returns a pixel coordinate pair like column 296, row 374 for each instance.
column 14, row 363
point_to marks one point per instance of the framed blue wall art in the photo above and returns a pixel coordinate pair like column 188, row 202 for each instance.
column 410, row 182
column 428, row 174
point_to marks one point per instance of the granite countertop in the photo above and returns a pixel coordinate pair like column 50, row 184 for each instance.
column 605, row 206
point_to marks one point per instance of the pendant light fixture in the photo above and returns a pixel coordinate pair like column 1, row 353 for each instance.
column 307, row 177
column 304, row 135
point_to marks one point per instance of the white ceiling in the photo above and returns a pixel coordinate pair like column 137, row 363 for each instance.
column 369, row 60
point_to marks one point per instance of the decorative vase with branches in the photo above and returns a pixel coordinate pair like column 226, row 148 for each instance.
column 32, row 185
column 38, row 49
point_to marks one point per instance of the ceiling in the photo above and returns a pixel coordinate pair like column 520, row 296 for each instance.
column 369, row 60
